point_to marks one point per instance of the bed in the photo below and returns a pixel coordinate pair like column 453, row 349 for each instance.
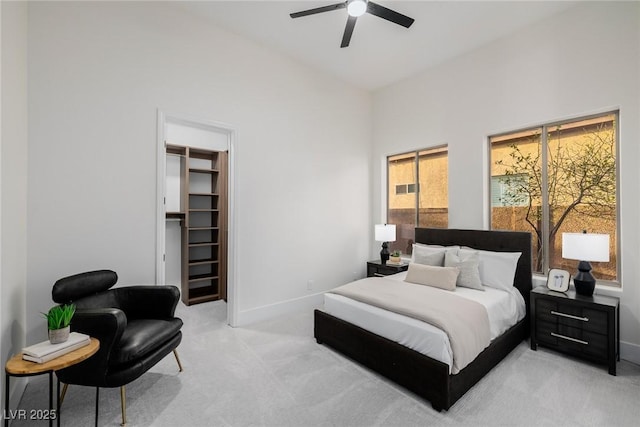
column 426, row 376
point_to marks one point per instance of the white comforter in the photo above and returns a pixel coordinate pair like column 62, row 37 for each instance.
column 504, row 309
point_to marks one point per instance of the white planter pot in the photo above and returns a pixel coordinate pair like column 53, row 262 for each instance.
column 56, row 336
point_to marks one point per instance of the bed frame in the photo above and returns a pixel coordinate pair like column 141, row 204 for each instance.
column 423, row 375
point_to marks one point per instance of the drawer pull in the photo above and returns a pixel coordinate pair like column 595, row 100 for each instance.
column 378, row 275
column 583, row 319
column 569, row 338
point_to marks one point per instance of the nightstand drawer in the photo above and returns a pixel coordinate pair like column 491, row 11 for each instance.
column 384, row 271
column 574, row 316
column 571, row 339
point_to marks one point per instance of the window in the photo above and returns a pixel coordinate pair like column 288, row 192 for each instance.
column 417, row 193
column 554, row 179
column 506, row 190
column 405, row 188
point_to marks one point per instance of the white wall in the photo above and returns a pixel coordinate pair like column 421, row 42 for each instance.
column 582, row 61
column 13, row 183
column 97, row 74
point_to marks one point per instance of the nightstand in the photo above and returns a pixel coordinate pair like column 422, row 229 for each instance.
column 586, row 327
column 376, row 269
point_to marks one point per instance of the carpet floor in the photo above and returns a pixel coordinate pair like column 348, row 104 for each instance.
column 274, row 374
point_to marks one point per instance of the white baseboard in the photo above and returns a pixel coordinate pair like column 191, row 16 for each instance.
column 630, row 352
column 270, row 311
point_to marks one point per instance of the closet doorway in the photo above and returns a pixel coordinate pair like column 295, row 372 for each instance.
column 195, row 223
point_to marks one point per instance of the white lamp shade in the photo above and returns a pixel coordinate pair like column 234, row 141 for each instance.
column 385, row 232
column 585, row 246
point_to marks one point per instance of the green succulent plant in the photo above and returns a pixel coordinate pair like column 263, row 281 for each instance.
column 60, row 316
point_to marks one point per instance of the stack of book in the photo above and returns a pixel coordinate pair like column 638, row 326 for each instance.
column 45, row 351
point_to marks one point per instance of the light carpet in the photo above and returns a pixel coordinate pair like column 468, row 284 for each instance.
column 274, row 374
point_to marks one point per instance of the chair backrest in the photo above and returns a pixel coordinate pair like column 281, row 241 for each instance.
column 73, row 288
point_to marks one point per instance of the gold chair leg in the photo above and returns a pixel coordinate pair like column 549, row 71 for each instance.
column 63, row 393
column 175, row 353
column 123, row 402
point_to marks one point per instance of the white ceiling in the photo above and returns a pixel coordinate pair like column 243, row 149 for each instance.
column 380, row 52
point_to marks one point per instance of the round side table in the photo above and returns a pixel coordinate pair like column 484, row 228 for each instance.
column 17, row 367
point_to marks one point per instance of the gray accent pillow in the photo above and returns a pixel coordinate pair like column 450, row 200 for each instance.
column 435, row 259
column 431, row 254
column 469, row 267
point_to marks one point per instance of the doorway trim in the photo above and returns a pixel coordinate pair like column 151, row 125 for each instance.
column 231, row 133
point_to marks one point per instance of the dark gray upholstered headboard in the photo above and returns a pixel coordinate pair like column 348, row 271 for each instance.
column 499, row 241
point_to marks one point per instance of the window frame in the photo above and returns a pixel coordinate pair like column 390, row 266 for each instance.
column 415, row 156
column 544, row 127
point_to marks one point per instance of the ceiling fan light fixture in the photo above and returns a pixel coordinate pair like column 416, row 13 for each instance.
column 357, row 8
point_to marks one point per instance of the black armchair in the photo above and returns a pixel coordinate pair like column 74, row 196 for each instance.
column 136, row 327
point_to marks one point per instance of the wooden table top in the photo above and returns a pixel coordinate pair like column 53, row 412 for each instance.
column 18, row 366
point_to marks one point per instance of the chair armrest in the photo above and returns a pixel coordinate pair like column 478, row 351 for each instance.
column 105, row 324
column 148, row 302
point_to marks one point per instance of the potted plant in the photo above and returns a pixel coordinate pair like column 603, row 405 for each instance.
column 395, row 256
column 58, row 321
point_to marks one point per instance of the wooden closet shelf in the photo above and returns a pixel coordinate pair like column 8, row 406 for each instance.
column 197, row 296
column 202, row 261
column 176, row 150
column 202, row 244
column 201, row 277
column 202, row 170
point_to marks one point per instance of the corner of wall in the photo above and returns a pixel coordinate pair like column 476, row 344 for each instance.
column 270, row 311
column 13, row 183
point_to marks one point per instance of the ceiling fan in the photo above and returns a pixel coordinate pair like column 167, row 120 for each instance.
column 356, row 8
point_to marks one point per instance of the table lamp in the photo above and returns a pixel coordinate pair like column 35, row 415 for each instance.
column 585, row 247
column 385, row 233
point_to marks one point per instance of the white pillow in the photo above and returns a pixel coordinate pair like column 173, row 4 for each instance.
column 424, row 254
column 497, row 269
column 425, row 249
column 429, row 275
column 424, row 245
column 468, row 265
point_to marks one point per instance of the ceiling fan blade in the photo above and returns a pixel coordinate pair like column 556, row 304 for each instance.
column 389, row 15
column 319, row 10
column 348, row 31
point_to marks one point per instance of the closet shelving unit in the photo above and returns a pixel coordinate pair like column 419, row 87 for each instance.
column 203, row 224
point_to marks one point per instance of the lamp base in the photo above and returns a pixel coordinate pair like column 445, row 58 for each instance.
column 584, row 281
column 584, row 288
column 384, row 253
